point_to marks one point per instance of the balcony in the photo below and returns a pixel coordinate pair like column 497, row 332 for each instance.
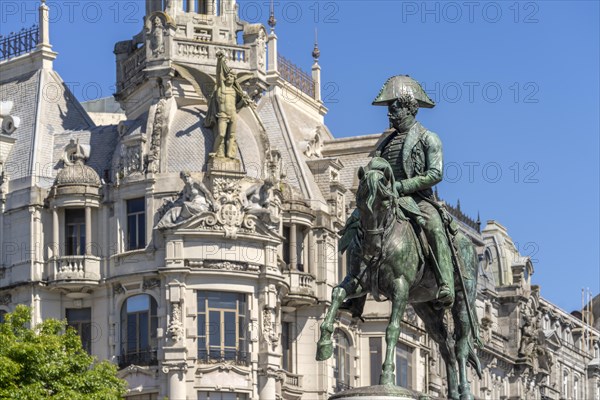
column 302, row 289
column 235, row 357
column 74, row 272
column 141, row 358
column 291, row 385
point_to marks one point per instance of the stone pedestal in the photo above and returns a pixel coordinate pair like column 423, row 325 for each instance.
column 380, row 392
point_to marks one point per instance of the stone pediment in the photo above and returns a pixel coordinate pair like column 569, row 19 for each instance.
column 551, row 338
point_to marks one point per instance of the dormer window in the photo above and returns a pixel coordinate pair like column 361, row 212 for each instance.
column 74, row 232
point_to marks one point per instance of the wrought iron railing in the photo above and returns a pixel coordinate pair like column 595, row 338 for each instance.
column 146, row 357
column 18, row 43
column 233, row 356
column 294, row 75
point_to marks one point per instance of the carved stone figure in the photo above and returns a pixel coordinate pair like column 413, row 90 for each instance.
column 226, row 100
column 386, row 256
column 193, row 200
column 175, row 329
column 157, row 40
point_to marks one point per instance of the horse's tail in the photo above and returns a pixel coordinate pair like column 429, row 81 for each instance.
column 469, row 256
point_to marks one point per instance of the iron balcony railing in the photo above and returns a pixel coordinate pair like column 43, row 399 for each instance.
column 234, row 356
column 17, row 43
column 291, row 73
column 144, row 357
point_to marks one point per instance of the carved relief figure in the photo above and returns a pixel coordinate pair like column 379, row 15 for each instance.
column 193, row 200
column 175, row 329
column 226, row 100
column 157, row 40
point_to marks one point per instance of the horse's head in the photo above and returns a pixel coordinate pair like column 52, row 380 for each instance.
column 376, row 196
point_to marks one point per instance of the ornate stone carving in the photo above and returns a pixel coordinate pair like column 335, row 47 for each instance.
column 150, row 283
column 157, row 33
column 5, row 299
column 195, row 199
column 268, row 326
column 261, row 49
column 118, row 289
column 175, row 329
column 314, row 146
column 223, row 265
column 159, row 127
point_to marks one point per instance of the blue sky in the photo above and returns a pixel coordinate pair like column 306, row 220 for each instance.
column 517, row 87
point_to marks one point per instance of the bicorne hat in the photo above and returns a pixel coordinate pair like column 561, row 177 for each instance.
column 400, row 85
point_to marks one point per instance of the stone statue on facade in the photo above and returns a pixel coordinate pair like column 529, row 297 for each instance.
column 228, row 97
column 404, row 247
column 194, row 199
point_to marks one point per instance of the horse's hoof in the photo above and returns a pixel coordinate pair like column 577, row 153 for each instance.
column 324, row 350
column 387, row 378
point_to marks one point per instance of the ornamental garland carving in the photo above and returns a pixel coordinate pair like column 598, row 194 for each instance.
column 175, row 329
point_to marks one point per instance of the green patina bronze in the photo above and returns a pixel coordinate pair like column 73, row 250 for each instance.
column 403, row 246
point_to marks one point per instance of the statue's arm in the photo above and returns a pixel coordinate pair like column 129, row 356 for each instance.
column 434, row 171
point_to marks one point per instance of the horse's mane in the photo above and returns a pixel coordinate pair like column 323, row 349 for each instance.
column 371, row 182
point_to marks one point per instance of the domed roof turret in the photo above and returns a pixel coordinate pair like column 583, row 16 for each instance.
column 75, row 172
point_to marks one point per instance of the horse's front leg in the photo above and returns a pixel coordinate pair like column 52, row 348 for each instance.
column 347, row 288
column 399, row 301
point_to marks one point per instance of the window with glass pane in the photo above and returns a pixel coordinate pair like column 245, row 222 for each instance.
column 138, row 331
column 74, row 232
column 222, row 327
column 286, row 245
column 403, row 366
column 80, row 319
column 341, row 372
column 375, row 359
column 286, row 345
column 222, row 396
column 2, row 314
column 136, row 223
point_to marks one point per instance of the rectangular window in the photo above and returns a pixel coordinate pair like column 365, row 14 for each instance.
column 74, row 231
column 286, row 245
column 375, row 359
column 403, row 366
column 300, row 249
column 222, row 327
column 286, row 344
column 222, row 396
column 81, row 320
column 136, row 223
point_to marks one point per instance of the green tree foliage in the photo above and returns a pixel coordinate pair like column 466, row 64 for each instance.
column 48, row 362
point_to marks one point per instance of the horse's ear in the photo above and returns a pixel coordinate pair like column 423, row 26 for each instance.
column 361, row 173
column 388, row 173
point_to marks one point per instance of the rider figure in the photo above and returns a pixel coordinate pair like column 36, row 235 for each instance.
column 415, row 155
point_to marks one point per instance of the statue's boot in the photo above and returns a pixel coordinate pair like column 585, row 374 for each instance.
column 445, row 296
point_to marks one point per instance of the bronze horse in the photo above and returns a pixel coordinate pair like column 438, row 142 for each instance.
column 385, row 258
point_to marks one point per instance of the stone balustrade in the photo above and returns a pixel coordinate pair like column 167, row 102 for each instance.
column 302, row 288
column 75, row 270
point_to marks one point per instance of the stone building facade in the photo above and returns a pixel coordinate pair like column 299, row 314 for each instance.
column 225, row 302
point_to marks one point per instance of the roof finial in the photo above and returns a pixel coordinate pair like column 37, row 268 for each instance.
column 316, row 52
column 272, row 21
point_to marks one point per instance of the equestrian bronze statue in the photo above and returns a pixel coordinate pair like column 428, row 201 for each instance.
column 403, row 246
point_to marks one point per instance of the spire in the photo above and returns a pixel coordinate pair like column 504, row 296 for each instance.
column 44, row 35
column 272, row 45
column 316, row 68
column 316, row 52
column 478, row 222
column 272, row 21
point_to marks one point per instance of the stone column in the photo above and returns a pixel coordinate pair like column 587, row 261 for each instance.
column 293, row 248
column 88, row 231
column 176, row 374
column 272, row 50
column 310, row 264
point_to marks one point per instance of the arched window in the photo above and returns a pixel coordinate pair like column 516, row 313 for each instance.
column 576, row 387
column 138, row 331
column 342, row 361
column 565, row 383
